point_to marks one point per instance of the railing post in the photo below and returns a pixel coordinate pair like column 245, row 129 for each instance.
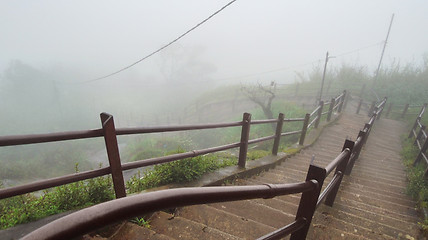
column 342, row 101
column 278, row 134
column 340, row 169
column 308, row 201
column 388, row 110
column 419, row 135
column 304, row 129
column 245, row 135
column 372, row 108
column 405, row 110
column 356, row 153
column 359, row 106
column 113, row 154
column 423, row 150
column 330, row 110
column 414, row 127
column 319, row 114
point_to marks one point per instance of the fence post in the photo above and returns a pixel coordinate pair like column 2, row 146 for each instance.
column 319, row 114
column 414, row 127
column 308, row 201
column 305, row 128
column 245, row 134
column 110, row 139
column 342, row 101
column 388, row 110
column 405, row 110
column 359, row 106
column 356, row 153
column 278, row 134
column 330, row 109
column 372, row 108
column 340, row 169
column 422, row 151
column 419, row 135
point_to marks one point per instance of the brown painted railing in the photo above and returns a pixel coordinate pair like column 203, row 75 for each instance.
column 419, row 132
column 94, row 217
column 116, row 168
column 100, row 215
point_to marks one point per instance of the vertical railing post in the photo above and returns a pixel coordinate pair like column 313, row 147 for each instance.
column 319, row 114
column 330, row 110
column 110, row 139
column 340, row 169
column 308, row 201
column 278, row 134
column 356, row 152
column 422, row 151
column 245, row 135
column 414, row 127
column 405, row 110
column 419, row 135
column 359, row 106
column 304, row 129
column 388, row 110
column 342, row 101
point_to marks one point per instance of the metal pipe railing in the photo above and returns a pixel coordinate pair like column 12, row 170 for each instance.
column 106, row 213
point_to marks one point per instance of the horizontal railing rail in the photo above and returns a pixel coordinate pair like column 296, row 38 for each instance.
column 116, row 168
column 418, row 132
column 106, row 213
column 97, row 216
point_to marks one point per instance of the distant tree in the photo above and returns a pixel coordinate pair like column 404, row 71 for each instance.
column 262, row 96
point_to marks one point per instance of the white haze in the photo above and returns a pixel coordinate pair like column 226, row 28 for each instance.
column 76, row 41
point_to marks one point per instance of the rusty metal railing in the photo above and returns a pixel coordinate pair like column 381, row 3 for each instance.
column 419, row 132
column 116, row 168
column 86, row 220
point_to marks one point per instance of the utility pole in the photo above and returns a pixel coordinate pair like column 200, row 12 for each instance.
column 323, row 77
column 383, row 50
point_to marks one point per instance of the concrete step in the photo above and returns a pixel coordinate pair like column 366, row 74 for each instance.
column 396, row 226
column 135, row 232
column 325, row 218
column 255, row 211
column 181, row 228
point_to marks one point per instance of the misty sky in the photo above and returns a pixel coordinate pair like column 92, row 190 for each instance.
column 247, row 38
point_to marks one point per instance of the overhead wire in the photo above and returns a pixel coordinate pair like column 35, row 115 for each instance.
column 299, row 65
column 163, row 47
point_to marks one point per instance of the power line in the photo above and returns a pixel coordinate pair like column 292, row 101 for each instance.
column 300, row 65
column 163, row 47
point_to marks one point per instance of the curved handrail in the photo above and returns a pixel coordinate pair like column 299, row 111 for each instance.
column 100, row 215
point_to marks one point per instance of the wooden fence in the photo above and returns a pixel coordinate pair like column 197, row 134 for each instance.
column 102, row 214
column 419, row 132
column 116, row 168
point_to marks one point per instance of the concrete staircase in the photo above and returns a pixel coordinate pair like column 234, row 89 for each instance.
column 371, row 203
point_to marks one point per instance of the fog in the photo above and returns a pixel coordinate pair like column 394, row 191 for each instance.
column 51, row 50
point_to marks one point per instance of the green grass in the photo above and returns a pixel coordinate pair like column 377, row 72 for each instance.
column 181, row 171
column 417, row 186
column 29, row 207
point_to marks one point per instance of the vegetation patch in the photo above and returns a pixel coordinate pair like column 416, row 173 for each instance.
column 180, row 171
column 29, row 207
column 417, row 186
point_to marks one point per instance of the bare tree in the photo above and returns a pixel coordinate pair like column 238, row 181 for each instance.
column 262, row 96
